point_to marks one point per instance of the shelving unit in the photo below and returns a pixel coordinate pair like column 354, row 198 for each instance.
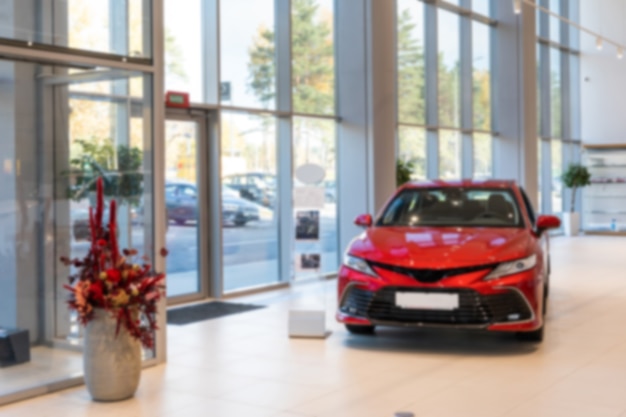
column 604, row 201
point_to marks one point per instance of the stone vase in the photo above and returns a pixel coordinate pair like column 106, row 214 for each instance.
column 112, row 364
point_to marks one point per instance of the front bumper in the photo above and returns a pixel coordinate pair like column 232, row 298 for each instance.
column 512, row 303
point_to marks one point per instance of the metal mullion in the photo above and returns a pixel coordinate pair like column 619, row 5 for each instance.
column 251, row 110
column 466, row 72
column 284, row 148
column 545, row 90
column 464, row 10
column 432, row 89
column 544, row 20
column 110, row 98
column 211, row 68
column 415, row 125
column 155, row 128
column 87, row 77
column 34, row 52
column 546, row 176
column 566, row 97
column 557, row 45
column 315, row 116
column 119, row 19
column 467, row 101
column 284, row 212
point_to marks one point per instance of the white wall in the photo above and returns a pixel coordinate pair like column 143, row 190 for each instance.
column 603, row 76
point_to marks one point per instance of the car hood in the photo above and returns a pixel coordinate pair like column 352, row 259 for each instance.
column 441, row 247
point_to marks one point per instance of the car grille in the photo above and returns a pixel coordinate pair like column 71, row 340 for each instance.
column 430, row 276
column 474, row 308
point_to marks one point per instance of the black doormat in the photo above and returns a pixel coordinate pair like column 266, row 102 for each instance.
column 206, row 311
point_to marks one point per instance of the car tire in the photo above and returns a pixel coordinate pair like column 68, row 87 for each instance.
column 545, row 300
column 536, row 336
column 240, row 223
column 356, row 329
column 180, row 222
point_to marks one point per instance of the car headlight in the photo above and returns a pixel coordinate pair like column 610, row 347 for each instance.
column 513, row 267
column 359, row 265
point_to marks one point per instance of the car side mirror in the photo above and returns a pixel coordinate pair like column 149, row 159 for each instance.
column 364, row 220
column 548, row 222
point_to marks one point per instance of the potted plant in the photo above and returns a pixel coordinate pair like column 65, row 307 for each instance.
column 575, row 177
column 115, row 295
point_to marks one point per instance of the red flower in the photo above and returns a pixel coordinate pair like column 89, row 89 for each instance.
column 96, row 292
column 102, row 242
column 114, row 276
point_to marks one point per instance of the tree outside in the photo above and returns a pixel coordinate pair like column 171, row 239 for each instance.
column 411, row 69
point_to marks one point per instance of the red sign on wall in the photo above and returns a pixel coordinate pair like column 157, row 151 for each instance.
column 177, row 99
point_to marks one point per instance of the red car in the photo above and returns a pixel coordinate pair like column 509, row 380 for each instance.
column 464, row 254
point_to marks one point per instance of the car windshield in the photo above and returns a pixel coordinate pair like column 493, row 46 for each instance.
column 453, row 207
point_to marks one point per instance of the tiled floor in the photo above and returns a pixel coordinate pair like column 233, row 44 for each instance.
column 245, row 365
column 47, row 365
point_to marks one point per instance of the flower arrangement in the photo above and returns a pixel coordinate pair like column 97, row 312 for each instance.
column 113, row 280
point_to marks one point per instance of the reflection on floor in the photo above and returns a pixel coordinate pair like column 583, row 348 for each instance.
column 47, row 366
column 244, row 365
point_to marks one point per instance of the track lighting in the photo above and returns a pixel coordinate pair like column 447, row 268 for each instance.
column 600, row 40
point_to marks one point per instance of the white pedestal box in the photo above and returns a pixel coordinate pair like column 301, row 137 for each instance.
column 571, row 223
column 308, row 323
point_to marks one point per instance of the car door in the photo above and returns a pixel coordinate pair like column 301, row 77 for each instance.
column 189, row 201
column 170, row 198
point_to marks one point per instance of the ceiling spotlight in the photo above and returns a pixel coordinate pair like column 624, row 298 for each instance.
column 599, row 43
column 620, row 53
column 517, row 6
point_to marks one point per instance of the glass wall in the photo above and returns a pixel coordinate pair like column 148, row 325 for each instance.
column 448, row 38
column 449, row 154
column 462, row 102
column 411, row 63
column 248, row 53
column 183, row 205
column 104, row 26
column 314, row 145
column 313, row 57
column 59, row 136
column 483, row 156
column 184, row 49
column 250, row 56
column 481, row 72
column 559, row 100
column 249, row 178
column 412, row 148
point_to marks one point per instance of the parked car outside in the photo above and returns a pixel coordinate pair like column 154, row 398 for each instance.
column 254, row 186
column 182, row 206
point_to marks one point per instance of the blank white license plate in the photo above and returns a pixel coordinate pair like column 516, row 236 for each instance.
column 427, row 301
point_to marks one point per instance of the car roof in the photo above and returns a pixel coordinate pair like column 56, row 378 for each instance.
column 179, row 182
column 465, row 183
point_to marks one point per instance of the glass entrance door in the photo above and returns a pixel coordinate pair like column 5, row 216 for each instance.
column 185, row 202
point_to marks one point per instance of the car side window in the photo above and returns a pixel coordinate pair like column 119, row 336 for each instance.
column 529, row 207
column 170, row 190
column 189, row 192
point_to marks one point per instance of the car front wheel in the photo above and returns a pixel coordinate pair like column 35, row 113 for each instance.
column 535, row 336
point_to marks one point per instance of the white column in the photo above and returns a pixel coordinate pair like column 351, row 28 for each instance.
column 515, row 97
